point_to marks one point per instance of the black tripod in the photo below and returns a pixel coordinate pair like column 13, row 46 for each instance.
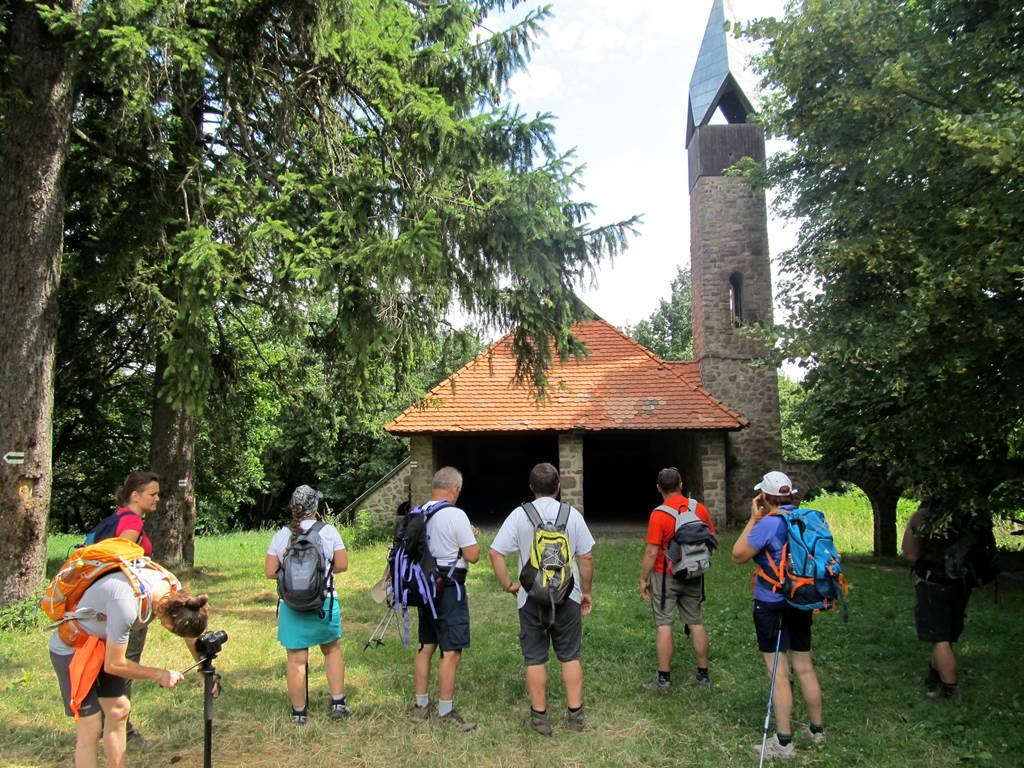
column 208, row 644
column 210, row 679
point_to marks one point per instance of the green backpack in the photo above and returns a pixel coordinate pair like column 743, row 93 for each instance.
column 547, row 577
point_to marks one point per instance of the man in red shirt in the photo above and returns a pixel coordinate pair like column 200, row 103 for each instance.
column 668, row 593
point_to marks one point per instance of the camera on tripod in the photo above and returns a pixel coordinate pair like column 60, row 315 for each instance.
column 209, row 644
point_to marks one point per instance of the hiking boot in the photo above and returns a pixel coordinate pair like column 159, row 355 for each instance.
column 702, row 678
column 539, row 723
column 298, row 718
column 658, row 683
column 339, row 710
column 817, row 737
column 136, row 741
column 576, row 721
column 419, row 715
column 773, row 749
column 945, row 692
column 454, row 720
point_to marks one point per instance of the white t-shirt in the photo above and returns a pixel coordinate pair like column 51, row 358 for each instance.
column 448, row 531
column 330, row 542
column 516, row 533
column 114, row 597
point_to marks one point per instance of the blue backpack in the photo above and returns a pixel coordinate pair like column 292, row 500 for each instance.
column 810, row 574
column 106, row 527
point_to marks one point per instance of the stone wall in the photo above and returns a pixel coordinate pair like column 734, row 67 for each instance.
column 421, row 461
column 382, row 501
column 711, row 452
column 570, row 467
column 729, row 246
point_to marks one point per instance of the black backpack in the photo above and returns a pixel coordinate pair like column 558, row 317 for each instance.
column 303, row 578
column 970, row 557
column 411, row 568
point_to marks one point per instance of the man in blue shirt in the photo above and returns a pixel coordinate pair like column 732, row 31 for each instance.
column 762, row 541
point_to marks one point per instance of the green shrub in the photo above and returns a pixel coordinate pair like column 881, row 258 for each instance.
column 22, row 617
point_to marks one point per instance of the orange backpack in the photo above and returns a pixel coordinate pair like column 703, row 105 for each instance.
column 82, row 569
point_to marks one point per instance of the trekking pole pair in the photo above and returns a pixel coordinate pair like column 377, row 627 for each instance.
column 771, row 693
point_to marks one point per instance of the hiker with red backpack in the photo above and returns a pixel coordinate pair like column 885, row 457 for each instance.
column 303, row 558
column 680, row 537
column 783, row 629
column 97, row 596
column 439, row 568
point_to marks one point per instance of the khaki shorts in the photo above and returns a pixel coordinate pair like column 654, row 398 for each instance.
column 684, row 595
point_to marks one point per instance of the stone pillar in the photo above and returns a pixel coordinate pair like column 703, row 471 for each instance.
column 421, row 456
column 732, row 290
column 711, row 454
column 570, row 467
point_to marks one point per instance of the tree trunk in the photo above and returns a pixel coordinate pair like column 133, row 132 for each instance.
column 33, row 152
column 172, row 457
column 883, row 495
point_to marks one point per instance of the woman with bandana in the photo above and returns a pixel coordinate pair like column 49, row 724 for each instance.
column 298, row 631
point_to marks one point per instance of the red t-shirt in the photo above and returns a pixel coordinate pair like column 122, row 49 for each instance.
column 129, row 521
column 662, row 525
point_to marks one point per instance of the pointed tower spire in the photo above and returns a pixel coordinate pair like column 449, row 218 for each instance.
column 720, row 77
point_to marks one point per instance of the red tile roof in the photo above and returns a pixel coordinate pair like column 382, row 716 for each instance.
column 620, row 385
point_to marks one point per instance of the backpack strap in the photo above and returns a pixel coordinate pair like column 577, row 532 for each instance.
column 562, row 520
column 692, row 506
column 778, row 569
column 533, row 514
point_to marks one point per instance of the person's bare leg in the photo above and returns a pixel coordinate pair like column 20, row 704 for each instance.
column 297, row 661
column 421, row 669
column 665, row 647
column 87, row 736
column 537, row 686
column 782, row 702
column 334, row 664
column 810, row 688
column 115, row 729
column 701, row 645
column 572, row 678
column 944, row 661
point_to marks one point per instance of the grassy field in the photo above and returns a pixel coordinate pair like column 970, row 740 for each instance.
column 870, row 668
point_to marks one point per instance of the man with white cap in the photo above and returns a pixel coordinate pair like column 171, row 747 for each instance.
column 762, row 541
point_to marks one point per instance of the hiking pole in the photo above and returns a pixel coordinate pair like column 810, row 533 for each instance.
column 771, row 693
column 376, row 638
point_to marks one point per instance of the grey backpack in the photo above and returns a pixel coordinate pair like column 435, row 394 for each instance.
column 689, row 549
column 302, row 578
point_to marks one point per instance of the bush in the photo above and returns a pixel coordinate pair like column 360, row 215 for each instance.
column 367, row 530
column 22, row 617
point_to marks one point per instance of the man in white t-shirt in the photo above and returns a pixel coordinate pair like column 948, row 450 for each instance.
column 452, row 541
column 537, row 628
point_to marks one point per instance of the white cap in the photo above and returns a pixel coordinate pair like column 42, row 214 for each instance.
column 776, row 484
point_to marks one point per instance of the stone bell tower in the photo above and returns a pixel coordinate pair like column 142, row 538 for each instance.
column 729, row 258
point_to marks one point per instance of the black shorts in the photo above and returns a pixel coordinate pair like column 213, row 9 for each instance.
column 450, row 630
column 796, row 626
column 107, row 686
column 939, row 611
column 536, row 631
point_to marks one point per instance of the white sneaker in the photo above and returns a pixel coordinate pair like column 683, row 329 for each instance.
column 773, row 748
column 818, row 739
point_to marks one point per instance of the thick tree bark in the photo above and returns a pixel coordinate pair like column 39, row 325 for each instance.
column 33, row 152
column 172, row 457
column 883, row 495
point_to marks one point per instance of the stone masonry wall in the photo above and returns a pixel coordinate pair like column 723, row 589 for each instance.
column 711, row 452
column 728, row 235
column 383, row 502
column 421, row 461
column 570, row 467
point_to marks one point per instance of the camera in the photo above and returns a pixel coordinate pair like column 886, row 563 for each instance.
column 209, row 643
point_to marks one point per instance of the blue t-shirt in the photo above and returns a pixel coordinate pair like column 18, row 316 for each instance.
column 768, row 536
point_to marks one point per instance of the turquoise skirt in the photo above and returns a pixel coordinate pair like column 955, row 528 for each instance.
column 304, row 629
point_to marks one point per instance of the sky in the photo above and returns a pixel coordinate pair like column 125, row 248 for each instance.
column 615, row 75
